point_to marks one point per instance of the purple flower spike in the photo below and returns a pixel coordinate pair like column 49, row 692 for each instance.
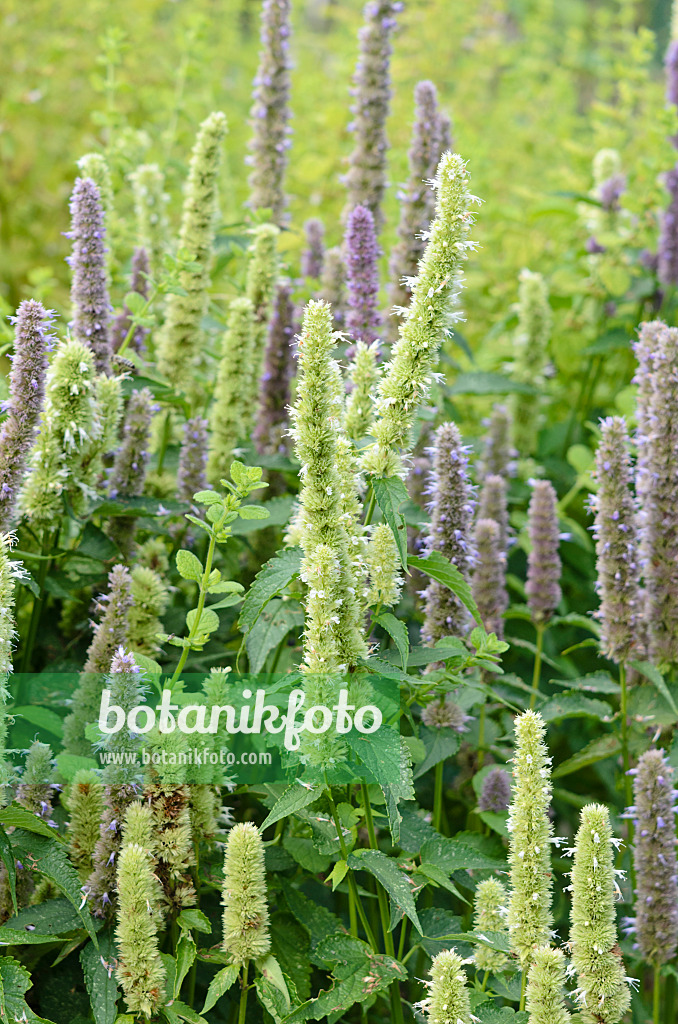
column 544, row 567
column 123, row 322
column 269, row 116
column 362, row 253
column 366, row 177
column 313, row 256
column 667, row 249
column 671, row 69
column 191, row 474
column 32, row 341
column 89, row 288
column 654, row 858
column 495, row 794
column 270, row 433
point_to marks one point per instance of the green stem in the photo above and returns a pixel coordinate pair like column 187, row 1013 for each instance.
column 38, row 603
column 201, row 600
column 352, row 887
column 523, row 987
column 370, row 508
column 537, row 664
column 481, row 736
column 484, row 984
column 242, row 1010
column 628, row 788
column 166, row 428
column 133, row 326
column 438, row 796
column 656, row 995
column 403, row 933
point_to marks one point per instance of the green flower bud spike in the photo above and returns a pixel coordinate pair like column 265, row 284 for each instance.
column 448, row 999
column 244, row 896
column 545, row 988
column 140, row 968
column 490, row 909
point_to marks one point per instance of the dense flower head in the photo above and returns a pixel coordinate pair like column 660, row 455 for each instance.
column 531, row 351
column 33, row 339
column 667, row 250
column 140, row 969
column 405, row 381
column 616, row 543
column 129, row 468
column 417, row 200
column 85, row 798
column 489, row 915
column 191, row 473
column 363, row 374
column 269, row 116
column 270, row 431
column 168, row 798
column 657, row 446
column 545, row 1000
column 383, row 568
column 35, row 789
column 489, row 576
column 150, row 201
column 313, row 256
column 654, row 858
column 123, row 322
column 366, row 177
column 530, row 834
column 495, row 794
column 447, row 1001
column 150, row 597
column 10, row 573
column 181, row 340
column 493, row 504
column 245, row 935
column 317, row 419
column 232, row 407
column 602, row 990
column 498, row 451
column 451, row 506
column 362, row 253
column 543, row 565
column 89, row 287
column 445, row 713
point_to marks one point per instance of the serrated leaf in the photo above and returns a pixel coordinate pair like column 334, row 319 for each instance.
column 188, row 565
column 253, row 512
column 293, row 799
column 272, row 626
column 440, row 744
column 437, row 875
column 7, row 857
column 275, row 575
column 458, row 854
column 597, row 750
column 338, row 873
column 135, row 303
column 16, row 816
column 98, row 968
column 390, row 493
column 220, row 983
column 443, row 571
column 185, row 956
column 396, row 883
column 397, row 630
column 15, row 981
column 177, row 1011
column 42, row 923
column 270, row 969
column 573, row 705
column 209, row 621
column 481, row 382
column 207, row 497
column 194, row 920
column 43, row 718
column 657, row 679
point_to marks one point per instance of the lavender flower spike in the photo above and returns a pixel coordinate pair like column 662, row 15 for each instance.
column 671, row 68
column 123, row 322
column 451, row 509
column 654, row 858
column 495, row 794
column 489, row 576
column 667, row 248
column 270, row 115
column 313, row 256
column 493, row 505
column 499, row 454
column 362, row 253
column 659, row 522
column 270, row 432
column 543, row 564
column 191, row 474
column 417, row 200
column 129, row 469
column 616, row 543
column 366, row 177
column 32, row 341
column 89, row 289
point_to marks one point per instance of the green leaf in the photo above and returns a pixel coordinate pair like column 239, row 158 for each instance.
column 574, row 705
column 272, row 626
column 69, row 764
column 275, row 575
column 194, row 920
column 7, row 857
column 270, row 969
column 305, row 854
column 98, row 968
column 290, row 946
column 209, row 621
column 42, row 923
column 495, row 821
column 188, row 565
column 293, row 799
column 657, row 679
column 595, row 682
column 458, row 854
column 51, row 860
column 15, row 981
column 177, row 1011
column 135, row 303
column 440, row 745
column 441, row 569
column 397, row 630
column 220, row 983
column 279, row 511
column 18, row 817
column 390, row 493
column 597, row 750
column 253, row 512
column 338, row 873
column 186, row 954
column 396, row 883
column 480, row 382
column 319, row 921
column 43, row 718
column 437, row 875
column 207, row 497
column 380, row 752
